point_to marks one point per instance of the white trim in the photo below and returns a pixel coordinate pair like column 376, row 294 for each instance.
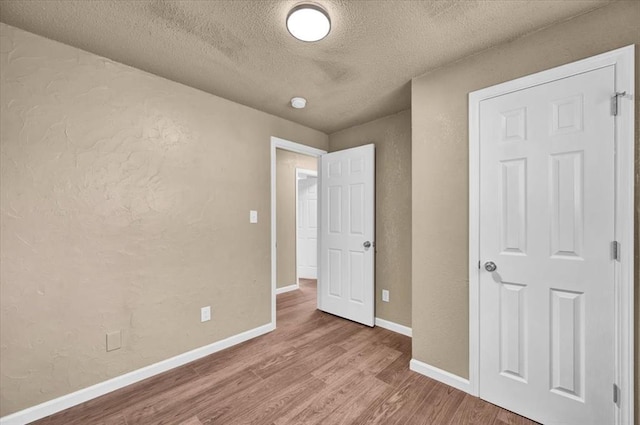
column 474, row 245
column 289, row 288
column 73, row 399
column 305, row 172
column 623, row 61
column 443, row 376
column 395, row 327
column 277, row 143
column 624, row 269
column 301, row 172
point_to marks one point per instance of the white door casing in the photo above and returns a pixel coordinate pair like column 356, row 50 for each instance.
column 551, row 337
column 307, row 224
column 346, row 272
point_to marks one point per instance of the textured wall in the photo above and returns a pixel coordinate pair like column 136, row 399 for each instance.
column 125, row 205
column 286, row 164
column 392, row 137
column 440, row 167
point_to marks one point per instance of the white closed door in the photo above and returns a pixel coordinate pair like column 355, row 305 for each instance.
column 547, row 223
column 307, row 240
column 346, row 273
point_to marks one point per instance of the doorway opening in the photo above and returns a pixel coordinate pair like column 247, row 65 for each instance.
column 296, row 219
column 282, row 282
column 345, row 230
column 306, row 224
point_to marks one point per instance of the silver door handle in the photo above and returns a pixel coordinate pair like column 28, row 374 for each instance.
column 367, row 244
column 490, row 266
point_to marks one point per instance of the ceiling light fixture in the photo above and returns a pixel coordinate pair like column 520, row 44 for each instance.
column 308, row 22
column 299, row 102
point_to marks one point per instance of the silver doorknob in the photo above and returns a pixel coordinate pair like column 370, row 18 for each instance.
column 367, row 244
column 490, row 266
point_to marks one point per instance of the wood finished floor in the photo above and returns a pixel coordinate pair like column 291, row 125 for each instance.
column 314, row 369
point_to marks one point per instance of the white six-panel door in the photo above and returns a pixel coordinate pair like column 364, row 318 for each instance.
column 346, row 273
column 547, row 222
column 307, row 239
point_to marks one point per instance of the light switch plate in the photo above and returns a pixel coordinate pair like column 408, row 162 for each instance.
column 253, row 216
column 114, row 340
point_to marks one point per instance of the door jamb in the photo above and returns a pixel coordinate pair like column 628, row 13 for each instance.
column 278, row 143
column 623, row 61
column 300, row 172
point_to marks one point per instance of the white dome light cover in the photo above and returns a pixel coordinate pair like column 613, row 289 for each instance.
column 308, row 22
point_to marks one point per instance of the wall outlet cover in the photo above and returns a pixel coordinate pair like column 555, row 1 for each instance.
column 385, row 295
column 114, row 340
column 205, row 314
column 253, row 216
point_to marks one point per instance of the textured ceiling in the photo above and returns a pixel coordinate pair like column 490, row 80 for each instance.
column 241, row 50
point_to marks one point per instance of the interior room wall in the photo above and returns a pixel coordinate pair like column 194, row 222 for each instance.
column 440, row 167
column 392, row 138
column 125, row 205
column 286, row 236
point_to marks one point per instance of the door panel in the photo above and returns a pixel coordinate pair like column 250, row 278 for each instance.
column 547, row 221
column 567, row 344
column 514, row 199
column 566, row 204
column 346, row 275
column 513, row 349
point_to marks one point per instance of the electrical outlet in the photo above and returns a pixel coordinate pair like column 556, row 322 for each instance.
column 253, row 216
column 114, row 340
column 385, row 295
column 205, row 314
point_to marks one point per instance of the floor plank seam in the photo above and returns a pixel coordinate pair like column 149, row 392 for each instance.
column 254, row 372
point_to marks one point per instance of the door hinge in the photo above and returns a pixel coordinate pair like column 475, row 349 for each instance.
column 615, row 250
column 614, row 102
column 616, row 393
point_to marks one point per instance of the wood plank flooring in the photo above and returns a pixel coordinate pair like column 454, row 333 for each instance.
column 314, row 369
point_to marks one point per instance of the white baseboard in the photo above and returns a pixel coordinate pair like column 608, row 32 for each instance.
column 395, row 327
column 287, row 289
column 443, row 376
column 61, row 403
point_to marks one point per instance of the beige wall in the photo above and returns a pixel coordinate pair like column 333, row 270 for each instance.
column 125, row 205
column 286, row 164
column 440, row 167
column 392, row 138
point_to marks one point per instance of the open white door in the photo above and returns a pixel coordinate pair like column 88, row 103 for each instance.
column 346, row 272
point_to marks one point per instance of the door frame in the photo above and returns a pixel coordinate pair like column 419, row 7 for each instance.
column 623, row 61
column 308, row 173
column 278, row 143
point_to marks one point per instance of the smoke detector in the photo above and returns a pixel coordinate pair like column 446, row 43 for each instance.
column 298, row 102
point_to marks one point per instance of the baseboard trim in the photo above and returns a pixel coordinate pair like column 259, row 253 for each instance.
column 443, row 376
column 395, row 327
column 73, row 399
column 287, row 289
